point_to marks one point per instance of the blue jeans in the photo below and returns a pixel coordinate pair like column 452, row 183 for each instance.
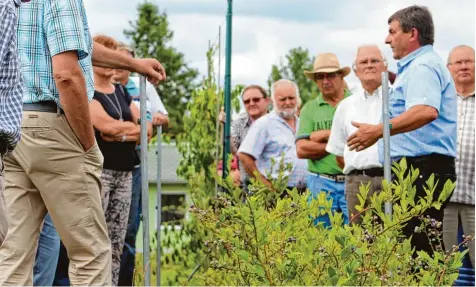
column 46, row 255
column 335, row 191
column 129, row 252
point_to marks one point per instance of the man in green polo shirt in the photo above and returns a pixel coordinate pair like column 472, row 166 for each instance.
column 325, row 173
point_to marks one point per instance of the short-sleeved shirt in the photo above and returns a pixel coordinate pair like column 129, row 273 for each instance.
column 423, row 79
column 154, row 102
column 239, row 129
column 363, row 108
column 317, row 115
column 268, row 139
column 47, row 28
column 117, row 155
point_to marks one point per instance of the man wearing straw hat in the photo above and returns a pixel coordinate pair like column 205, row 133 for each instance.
column 325, row 175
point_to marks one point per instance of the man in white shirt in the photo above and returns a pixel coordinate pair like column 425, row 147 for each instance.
column 365, row 106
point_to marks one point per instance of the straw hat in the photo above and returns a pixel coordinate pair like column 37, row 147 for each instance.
column 326, row 63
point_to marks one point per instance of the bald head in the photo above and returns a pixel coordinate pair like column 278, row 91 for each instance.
column 461, row 66
column 368, row 66
column 460, row 49
column 365, row 49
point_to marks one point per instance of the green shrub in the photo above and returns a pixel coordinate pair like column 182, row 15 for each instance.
column 254, row 244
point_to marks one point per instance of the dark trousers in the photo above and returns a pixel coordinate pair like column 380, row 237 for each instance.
column 443, row 168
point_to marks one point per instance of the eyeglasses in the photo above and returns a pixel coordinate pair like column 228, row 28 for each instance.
column 329, row 76
column 461, row 62
column 372, row 62
column 255, row 100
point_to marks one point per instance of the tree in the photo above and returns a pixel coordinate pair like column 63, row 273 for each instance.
column 296, row 61
column 151, row 36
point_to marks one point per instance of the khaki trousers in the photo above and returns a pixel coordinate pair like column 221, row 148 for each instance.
column 465, row 212
column 50, row 171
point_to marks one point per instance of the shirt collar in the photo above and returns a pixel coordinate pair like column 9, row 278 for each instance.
column 377, row 92
column 320, row 98
column 465, row 98
column 275, row 115
column 17, row 3
column 410, row 57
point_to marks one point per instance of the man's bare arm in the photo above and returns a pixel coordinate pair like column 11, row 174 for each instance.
column 71, row 86
column 107, row 58
column 307, row 149
column 340, row 161
column 249, row 163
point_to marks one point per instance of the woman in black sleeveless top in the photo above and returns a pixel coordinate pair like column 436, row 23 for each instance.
column 115, row 125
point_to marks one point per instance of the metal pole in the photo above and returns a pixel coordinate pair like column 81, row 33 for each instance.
column 218, row 138
column 159, row 200
column 227, row 148
column 144, row 180
column 386, row 137
column 219, row 57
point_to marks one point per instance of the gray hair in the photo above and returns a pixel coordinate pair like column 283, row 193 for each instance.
column 418, row 17
column 280, row 82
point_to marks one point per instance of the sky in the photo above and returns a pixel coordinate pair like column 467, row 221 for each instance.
column 265, row 30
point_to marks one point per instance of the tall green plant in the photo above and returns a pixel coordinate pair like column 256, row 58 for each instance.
column 182, row 240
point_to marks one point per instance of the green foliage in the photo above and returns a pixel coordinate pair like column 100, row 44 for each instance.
column 254, row 244
column 296, row 62
column 151, row 37
column 182, row 240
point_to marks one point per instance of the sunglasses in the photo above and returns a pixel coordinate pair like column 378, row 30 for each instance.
column 329, row 76
column 255, row 100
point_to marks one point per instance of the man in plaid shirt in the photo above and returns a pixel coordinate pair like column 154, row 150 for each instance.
column 461, row 66
column 10, row 94
column 56, row 166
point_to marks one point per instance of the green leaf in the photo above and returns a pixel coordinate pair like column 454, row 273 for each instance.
column 331, row 271
column 340, row 240
column 403, row 164
column 243, row 254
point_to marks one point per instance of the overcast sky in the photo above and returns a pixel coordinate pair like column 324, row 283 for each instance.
column 264, row 30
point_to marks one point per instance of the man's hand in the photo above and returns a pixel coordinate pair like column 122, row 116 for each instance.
column 222, row 116
column 364, row 137
column 151, row 68
column 320, row 136
column 159, row 119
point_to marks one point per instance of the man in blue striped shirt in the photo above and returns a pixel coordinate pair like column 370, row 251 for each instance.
column 56, row 166
column 423, row 113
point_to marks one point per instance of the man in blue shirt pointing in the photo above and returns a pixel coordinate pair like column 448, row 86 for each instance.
column 423, row 112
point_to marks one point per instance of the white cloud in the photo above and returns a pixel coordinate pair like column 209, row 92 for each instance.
column 259, row 42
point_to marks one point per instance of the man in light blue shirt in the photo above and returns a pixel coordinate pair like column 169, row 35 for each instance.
column 423, row 112
column 273, row 137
